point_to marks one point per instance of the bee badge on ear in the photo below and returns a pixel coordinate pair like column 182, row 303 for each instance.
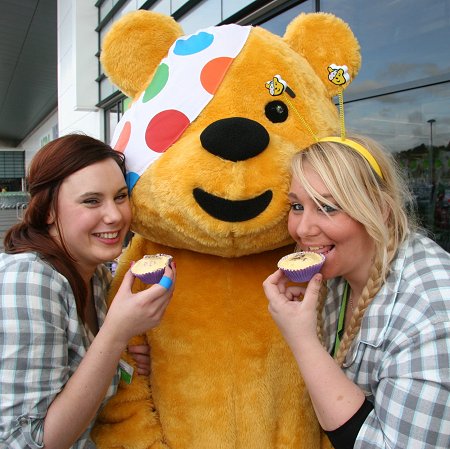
column 277, row 86
column 338, row 74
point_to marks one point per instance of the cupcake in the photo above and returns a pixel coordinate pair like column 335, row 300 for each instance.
column 150, row 269
column 301, row 266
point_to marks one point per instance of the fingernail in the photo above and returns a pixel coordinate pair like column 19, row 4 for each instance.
column 132, row 263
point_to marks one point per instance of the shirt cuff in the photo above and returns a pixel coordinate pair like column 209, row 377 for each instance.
column 344, row 437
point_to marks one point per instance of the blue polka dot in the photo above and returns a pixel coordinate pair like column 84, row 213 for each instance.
column 194, row 44
column 131, row 179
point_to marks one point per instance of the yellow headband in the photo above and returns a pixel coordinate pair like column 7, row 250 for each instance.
column 364, row 152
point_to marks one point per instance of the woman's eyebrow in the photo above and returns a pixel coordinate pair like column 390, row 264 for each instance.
column 327, row 196
column 86, row 194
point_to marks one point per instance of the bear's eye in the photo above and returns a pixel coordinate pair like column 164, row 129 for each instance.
column 276, row 111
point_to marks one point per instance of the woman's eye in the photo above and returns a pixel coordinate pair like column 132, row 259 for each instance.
column 328, row 209
column 122, row 197
column 91, row 201
column 296, row 207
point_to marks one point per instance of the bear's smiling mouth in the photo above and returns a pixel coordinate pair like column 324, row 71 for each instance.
column 232, row 210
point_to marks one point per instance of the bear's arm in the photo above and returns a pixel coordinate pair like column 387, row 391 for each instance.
column 129, row 417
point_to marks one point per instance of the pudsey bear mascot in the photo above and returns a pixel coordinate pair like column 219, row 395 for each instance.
column 214, row 120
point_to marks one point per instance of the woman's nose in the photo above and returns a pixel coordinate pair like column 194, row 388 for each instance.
column 112, row 213
column 307, row 225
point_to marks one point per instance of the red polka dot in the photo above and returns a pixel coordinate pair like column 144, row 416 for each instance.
column 124, row 137
column 213, row 72
column 164, row 129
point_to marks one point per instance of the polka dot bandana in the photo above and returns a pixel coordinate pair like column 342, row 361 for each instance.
column 184, row 83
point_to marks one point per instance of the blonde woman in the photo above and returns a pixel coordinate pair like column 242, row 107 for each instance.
column 371, row 332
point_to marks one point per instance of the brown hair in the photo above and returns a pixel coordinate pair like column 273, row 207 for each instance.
column 380, row 204
column 50, row 166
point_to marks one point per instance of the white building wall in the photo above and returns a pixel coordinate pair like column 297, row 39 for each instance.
column 46, row 131
column 77, row 69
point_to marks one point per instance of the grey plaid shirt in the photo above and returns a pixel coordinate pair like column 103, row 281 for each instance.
column 42, row 343
column 400, row 358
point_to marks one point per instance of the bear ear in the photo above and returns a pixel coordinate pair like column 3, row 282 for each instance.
column 134, row 46
column 327, row 43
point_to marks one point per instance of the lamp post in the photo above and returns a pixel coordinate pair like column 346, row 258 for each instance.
column 431, row 121
column 432, row 174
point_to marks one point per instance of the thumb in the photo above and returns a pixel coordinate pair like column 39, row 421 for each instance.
column 313, row 291
column 127, row 282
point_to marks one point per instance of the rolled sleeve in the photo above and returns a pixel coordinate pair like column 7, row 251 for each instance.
column 28, row 432
column 411, row 402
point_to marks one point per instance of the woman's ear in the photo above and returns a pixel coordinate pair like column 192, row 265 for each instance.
column 51, row 217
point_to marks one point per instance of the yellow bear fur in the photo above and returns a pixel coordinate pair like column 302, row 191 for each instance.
column 222, row 376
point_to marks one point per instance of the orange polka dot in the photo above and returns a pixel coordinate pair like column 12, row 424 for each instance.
column 213, row 73
column 124, row 137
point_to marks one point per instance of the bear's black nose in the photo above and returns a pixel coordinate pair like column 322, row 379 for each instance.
column 235, row 139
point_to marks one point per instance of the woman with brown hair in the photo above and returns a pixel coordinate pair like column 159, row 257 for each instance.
column 60, row 350
column 372, row 341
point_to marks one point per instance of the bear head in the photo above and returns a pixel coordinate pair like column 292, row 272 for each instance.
column 214, row 120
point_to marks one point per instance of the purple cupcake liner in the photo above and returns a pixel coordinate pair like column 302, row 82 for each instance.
column 305, row 274
column 151, row 278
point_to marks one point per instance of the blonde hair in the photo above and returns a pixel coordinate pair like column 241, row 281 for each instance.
column 380, row 204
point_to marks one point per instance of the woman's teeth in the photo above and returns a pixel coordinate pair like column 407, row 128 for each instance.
column 107, row 235
column 320, row 249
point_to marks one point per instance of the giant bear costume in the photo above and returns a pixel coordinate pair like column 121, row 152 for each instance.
column 214, row 120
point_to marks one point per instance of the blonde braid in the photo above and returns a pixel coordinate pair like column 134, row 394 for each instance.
column 320, row 305
column 370, row 290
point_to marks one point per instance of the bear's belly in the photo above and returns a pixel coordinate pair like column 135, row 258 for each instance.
column 222, row 375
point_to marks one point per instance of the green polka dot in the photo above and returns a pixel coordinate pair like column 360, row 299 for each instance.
column 157, row 83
